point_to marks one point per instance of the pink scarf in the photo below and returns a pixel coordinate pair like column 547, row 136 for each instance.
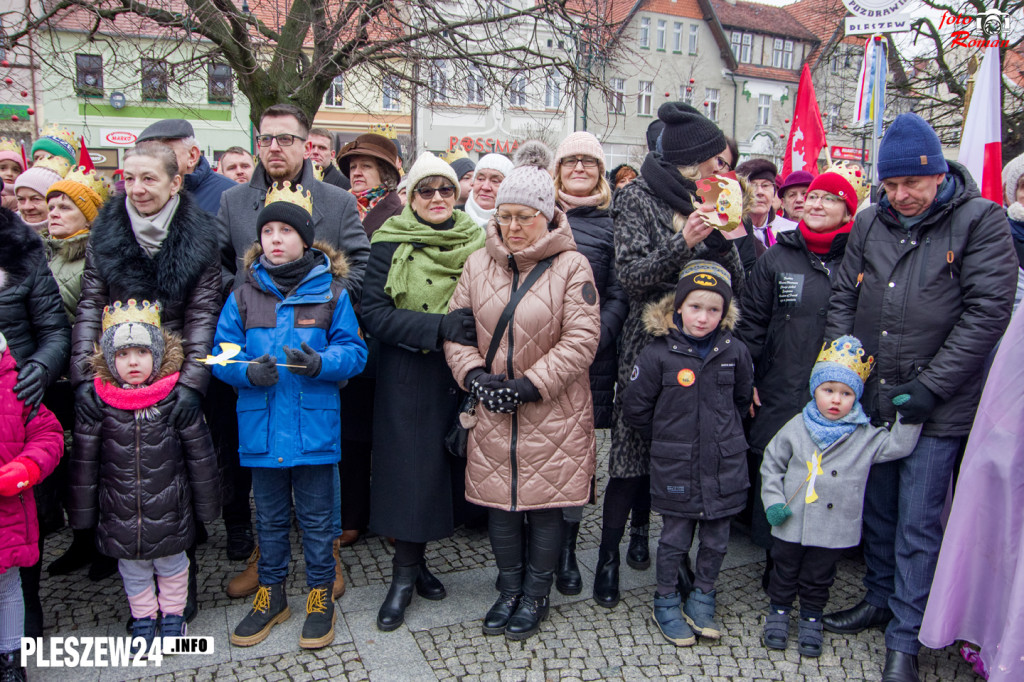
column 135, row 398
column 568, row 201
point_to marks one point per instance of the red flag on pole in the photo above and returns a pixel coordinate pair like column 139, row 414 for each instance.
column 981, row 144
column 24, row 158
column 84, row 157
column 807, row 134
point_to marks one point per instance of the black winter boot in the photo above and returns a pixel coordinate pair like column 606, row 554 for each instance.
column 318, row 630
column 269, row 607
column 567, row 577
column 510, row 584
column 428, row 586
column 524, row 623
column 638, row 556
column 10, row 670
column 606, row 578
column 392, row 612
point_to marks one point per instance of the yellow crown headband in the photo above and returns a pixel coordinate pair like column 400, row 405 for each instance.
column 385, row 129
column 842, row 352
column 63, row 136
column 283, row 192
column 852, row 174
column 90, row 179
column 129, row 311
column 9, row 145
column 58, row 164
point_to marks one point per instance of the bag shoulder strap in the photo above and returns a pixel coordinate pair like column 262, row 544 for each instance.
column 513, row 301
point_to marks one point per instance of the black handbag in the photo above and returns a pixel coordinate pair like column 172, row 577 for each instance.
column 457, row 438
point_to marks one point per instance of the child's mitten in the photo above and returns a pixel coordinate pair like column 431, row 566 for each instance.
column 263, row 371
column 18, row 475
column 777, row 513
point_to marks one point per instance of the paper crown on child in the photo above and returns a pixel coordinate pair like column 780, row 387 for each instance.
column 842, row 360
column 291, row 206
column 131, row 325
column 284, row 192
column 58, row 164
column 58, row 141
column 853, row 175
column 9, row 145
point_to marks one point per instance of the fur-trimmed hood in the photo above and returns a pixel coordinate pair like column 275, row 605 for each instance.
column 71, row 249
column 192, row 244
column 335, row 258
column 658, row 316
column 174, row 358
column 20, row 246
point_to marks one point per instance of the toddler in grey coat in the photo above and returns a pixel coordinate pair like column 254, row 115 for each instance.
column 813, row 477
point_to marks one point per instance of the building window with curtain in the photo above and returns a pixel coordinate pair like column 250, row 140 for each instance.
column 644, row 98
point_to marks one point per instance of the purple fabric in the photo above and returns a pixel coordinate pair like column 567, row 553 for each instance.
column 978, row 591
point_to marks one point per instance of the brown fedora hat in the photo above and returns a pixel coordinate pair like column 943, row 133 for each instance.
column 370, row 144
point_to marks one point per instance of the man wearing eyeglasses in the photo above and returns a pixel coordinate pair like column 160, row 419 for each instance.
column 762, row 224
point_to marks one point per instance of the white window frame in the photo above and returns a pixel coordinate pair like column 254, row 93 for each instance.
column 747, row 47
column 552, row 90
column 777, row 53
column 694, row 38
column 439, row 81
column 517, row 91
column 787, row 55
column 659, row 36
column 645, row 98
column 475, row 86
column 391, row 94
column 677, row 36
column 334, row 98
column 686, row 94
column 645, row 32
column 617, row 95
column 764, row 110
column 711, row 99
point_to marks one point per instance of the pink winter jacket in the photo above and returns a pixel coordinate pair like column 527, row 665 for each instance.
column 42, row 441
column 544, row 455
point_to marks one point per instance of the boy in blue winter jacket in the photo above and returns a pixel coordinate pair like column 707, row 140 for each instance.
column 291, row 311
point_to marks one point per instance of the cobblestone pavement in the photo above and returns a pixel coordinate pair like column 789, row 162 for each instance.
column 443, row 640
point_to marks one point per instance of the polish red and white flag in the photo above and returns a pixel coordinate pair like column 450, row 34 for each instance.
column 807, row 135
column 981, row 147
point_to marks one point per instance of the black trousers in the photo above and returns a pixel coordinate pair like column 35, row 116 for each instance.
column 545, row 542
column 236, row 480
column 674, row 545
column 805, row 571
column 622, row 496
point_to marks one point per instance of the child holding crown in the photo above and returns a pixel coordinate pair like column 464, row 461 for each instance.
column 293, row 311
column 813, row 476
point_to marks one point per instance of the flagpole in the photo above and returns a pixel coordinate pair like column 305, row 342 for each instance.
column 877, row 108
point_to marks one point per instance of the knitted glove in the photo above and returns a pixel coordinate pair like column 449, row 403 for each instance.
column 777, row 513
column 459, row 326
column 522, row 390
column 88, row 407
column 511, row 395
column 307, row 357
column 919, row 403
column 188, row 406
column 31, row 385
column 478, row 382
column 263, row 372
column 19, row 474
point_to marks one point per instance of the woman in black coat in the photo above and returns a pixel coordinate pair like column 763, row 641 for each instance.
column 784, row 309
column 416, row 259
column 585, row 196
column 33, row 321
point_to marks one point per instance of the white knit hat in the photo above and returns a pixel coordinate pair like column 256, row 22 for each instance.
column 530, row 183
column 1011, row 176
column 428, row 165
column 581, row 143
column 497, row 162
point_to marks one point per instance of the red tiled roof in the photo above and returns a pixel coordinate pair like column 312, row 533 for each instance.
column 676, row 8
column 823, row 18
column 765, row 19
column 768, row 73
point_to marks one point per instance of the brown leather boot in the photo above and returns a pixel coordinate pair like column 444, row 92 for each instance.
column 339, row 576
column 247, row 582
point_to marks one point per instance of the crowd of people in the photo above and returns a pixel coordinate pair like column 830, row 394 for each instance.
column 401, row 349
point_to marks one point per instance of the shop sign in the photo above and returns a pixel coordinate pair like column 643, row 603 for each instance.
column 485, row 145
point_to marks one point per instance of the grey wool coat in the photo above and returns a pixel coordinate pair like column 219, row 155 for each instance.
column 335, row 221
column 649, row 254
column 834, row 519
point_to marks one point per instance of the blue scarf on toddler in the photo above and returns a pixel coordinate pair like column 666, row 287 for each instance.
column 824, row 431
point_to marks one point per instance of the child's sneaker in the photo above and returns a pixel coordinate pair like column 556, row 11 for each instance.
column 776, row 628
column 809, row 637
column 669, row 620
column 146, row 629
column 172, row 626
column 699, row 611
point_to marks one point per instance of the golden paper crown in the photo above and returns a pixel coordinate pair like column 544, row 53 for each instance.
column 90, row 179
column 454, row 155
column 318, row 172
column 63, row 136
column 58, row 164
column 130, row 311
column 847, row 351
column 9, row 145
column 852, row 174
column 284, row 192
column 385, row 129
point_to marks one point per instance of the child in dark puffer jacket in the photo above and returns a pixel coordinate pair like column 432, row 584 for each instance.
column 141, row 482
column 29, row 452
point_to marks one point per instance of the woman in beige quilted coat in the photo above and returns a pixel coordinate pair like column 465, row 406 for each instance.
column 532, row 450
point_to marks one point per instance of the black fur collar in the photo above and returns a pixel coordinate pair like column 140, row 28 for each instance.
column 20, row 246
column 191, row 246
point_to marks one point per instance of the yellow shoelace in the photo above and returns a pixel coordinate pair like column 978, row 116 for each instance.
column 262, row 601
column 315, row 601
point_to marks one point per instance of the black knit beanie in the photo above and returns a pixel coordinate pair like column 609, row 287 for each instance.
column 689, row 137
column 288, row 213
column 653, row 133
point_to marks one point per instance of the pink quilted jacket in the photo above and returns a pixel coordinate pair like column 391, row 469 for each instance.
column 544, row 455
column 42, row 441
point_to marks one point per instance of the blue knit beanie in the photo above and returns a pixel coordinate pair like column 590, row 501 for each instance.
column 910, row 147
column 839, row 361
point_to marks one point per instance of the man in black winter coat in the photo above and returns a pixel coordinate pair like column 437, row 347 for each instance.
column 927, row 283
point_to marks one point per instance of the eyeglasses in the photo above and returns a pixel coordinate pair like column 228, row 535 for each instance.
column 428, row 192
column 571, row 161
column 504, row 219
column 764, row 185
column 824, row 198
column 721, row 164
column 285, row 140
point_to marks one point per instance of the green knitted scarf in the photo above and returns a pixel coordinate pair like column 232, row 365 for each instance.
column 428, row 262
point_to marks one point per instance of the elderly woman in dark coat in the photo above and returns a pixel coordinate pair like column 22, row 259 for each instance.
column 33, row 321
column 416, row 259
column 153, row 244
column 658, row 230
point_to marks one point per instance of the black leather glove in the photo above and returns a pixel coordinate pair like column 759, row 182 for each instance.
column 459, row 326
column 919, row 406
column 307, row 357
column 87, row 404
column 263, row 372
column 188, row 406
column 716, row 242
column 31, row 385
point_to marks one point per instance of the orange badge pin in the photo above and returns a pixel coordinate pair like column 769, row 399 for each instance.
column 686, row 377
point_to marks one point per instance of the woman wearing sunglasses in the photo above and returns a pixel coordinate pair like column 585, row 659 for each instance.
column 783, row 316
column 416, row 259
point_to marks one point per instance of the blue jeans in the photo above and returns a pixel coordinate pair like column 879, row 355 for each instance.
column 903, row 532
column 313, row 488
